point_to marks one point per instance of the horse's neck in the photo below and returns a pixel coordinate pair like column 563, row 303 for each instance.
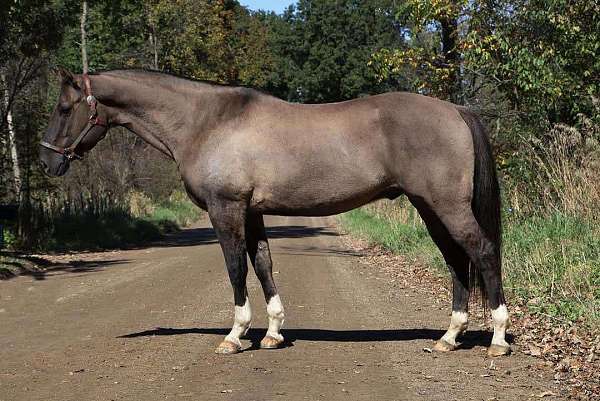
column 155, row 115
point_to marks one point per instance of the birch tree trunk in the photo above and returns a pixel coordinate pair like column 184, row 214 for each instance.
column 153, row 38
column 84, row 58
column 12, row 142
column 153, row 42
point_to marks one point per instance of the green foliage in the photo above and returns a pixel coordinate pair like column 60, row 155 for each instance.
column 212, row 40
column 542, row 55
column 117, row 33
column 323, row 48
column 177, row 209
column 9, row 234
column 30, row 28
column 410, row 240
column 85, row 230
column 430, row 62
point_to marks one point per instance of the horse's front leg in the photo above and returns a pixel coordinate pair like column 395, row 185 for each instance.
column 260, row 256
column 228, row 219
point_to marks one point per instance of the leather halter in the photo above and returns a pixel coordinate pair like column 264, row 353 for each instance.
column 93, row 120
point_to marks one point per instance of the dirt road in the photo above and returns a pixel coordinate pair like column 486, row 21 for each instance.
column 143, row 324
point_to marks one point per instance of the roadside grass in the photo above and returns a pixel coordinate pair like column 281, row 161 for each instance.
column 409, row 239
column 551, row 263
column 112, row 228
column 177, row 209
column 136, row 221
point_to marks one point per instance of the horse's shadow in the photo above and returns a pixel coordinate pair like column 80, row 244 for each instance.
column 468, row 340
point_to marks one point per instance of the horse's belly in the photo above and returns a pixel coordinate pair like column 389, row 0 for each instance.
column 322, row 198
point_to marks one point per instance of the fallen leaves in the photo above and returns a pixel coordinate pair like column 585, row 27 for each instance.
column 566, row 348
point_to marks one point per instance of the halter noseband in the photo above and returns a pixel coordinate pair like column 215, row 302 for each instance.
column 93, row 120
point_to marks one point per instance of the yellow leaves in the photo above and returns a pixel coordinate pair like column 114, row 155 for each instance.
column 421, row 12
column 435, row 77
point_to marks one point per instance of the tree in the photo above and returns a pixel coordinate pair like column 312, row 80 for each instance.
column 84, row 58
column 31, row 30
column 542, row 55
column 431, row 61
column 326, row 48
column 214, row 40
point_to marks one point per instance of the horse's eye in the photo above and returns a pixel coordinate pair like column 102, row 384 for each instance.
column 64, row 110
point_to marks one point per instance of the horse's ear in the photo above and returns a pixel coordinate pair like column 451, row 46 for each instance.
column 65, row 76
column 68, row 78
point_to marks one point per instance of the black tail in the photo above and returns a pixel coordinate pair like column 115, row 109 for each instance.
column 486, row 202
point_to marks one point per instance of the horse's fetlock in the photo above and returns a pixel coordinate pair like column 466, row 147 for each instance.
column 275, row 307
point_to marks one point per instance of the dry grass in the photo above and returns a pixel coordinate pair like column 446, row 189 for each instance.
column 566, row 164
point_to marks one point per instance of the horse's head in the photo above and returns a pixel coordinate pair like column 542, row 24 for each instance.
column 75, row 126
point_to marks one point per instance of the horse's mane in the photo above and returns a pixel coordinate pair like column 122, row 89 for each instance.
column 172, row 78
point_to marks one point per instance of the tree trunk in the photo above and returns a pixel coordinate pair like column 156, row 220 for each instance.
column 84, row 58
column 451, row 55
column 12, row 143
column 154, row 44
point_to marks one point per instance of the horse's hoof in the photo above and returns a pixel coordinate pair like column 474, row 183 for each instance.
column 228, row 348
column 443, row 346
column 270, row 343
column 498, row 350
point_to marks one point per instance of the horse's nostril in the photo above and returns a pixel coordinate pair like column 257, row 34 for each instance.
column 43, row 166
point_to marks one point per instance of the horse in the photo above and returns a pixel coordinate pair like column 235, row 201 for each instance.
column 243, row 154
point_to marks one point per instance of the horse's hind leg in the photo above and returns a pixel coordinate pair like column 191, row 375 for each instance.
column 228, row 219
column 464, row 229
column 260, row 256
column 458, row 264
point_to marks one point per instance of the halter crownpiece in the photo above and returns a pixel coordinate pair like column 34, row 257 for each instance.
column 93, row 120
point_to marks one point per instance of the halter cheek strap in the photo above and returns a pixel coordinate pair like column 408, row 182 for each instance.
column 93, row 120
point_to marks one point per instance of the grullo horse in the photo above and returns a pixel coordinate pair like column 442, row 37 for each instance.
column 243, row 154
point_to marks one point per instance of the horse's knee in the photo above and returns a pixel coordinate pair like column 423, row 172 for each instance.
column 263, row 257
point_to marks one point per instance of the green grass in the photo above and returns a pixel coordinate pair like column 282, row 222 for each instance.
column 111, row 227
column 90, row 231
column 552, row 263
column 411, row 240
column 178, row 210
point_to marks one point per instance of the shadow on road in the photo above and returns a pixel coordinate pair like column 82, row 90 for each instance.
column 13, row 265
column 207, row 236
column 469, row 340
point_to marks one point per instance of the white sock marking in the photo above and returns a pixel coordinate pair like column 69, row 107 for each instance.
column 458, row 323
column 241, row 323
column 276, row 317
column 501, row 322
